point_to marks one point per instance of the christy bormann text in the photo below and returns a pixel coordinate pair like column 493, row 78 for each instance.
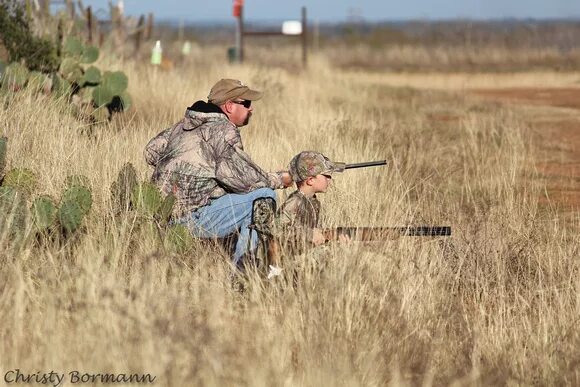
column 53, row 378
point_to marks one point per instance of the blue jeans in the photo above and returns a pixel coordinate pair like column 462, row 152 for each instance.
column 228, row 214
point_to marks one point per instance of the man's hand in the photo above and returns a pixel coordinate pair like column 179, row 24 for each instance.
column 317, row 237
column 286, row 179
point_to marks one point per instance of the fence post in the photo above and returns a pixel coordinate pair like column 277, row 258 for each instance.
column 240, row 35
column 149, row 29
column 90, row 24
column 139, row 34
column 59, row 37
column 304, row 38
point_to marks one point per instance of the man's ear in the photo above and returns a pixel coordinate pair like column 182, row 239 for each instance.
column 309, row 180
column 226, row 107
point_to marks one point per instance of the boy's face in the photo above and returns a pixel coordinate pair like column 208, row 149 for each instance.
column 320, row 183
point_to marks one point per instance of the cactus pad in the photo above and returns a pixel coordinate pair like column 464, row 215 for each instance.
column 92, row 76
column 70, row 215
column 21, row 179
column 122, row 189
column 61, row 86
column 13, row 209
column 178, row 239
column 15, row 77
column 90, row 54
column 102, row 95
column 146, row 198
column 166, row 208
column 71, row 70
column 44, row 212
column 116, row 82
column 79, row 195
column 73, row 47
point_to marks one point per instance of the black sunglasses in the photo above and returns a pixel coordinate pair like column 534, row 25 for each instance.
column 246, row 103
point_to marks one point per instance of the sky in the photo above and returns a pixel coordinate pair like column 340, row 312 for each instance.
column 339, row 10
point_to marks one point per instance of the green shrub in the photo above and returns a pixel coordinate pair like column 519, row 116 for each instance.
column 15, row 34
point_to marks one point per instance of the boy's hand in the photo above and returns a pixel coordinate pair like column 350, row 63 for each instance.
column 286, row 179
column 317, row 237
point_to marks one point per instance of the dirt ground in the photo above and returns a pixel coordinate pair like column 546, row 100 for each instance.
column 554, row 116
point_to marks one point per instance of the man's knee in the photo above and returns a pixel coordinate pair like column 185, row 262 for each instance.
column 264, row 193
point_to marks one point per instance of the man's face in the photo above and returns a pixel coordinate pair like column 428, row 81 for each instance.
column 240, row 112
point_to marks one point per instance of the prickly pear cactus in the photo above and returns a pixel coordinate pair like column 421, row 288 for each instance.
column 79, row 195
column 122, row 189
column 71, row 70
column 21, row 179
column 70, row 216
column 13, row 210
column 91, row 77
column 147, row 199
column 44, row 213
column 166, row 208
column 111, row 91
column 14, row 77
column 74, row 49
column 178, row 239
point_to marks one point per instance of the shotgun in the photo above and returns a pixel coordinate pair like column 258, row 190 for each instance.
column 367, row 234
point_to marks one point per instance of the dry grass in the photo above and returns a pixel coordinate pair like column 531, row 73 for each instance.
column 498, row 303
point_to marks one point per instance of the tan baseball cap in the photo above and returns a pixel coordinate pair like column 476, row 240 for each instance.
column 230, row 89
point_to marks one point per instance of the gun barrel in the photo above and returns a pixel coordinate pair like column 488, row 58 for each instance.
column 366, row 164
column 381, row 233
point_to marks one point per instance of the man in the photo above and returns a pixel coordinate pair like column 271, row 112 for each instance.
column 201, row 161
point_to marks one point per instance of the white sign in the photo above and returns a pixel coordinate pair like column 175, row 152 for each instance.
column 292, row 27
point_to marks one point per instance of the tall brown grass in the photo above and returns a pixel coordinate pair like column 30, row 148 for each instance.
column 497, row 303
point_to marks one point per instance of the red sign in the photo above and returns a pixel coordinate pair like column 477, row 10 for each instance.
column 238, row 4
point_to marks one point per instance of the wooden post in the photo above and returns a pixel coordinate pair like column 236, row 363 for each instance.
column 139, row 34
column 240, row 36
column 149, row 29
column 316, row 35
column 70, row 7
column 45, row 8
column 90, row 24
column 28, row 7
column 304, row 38
column 59, row 36
column 180, row 31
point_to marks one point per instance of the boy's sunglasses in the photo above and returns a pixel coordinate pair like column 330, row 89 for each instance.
column 246, row 103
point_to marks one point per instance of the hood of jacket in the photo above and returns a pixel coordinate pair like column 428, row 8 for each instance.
column 200, row 113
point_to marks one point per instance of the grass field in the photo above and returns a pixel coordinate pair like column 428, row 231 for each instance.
column 495, row 304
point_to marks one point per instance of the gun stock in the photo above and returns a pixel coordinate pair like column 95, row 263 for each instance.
column 367, row 234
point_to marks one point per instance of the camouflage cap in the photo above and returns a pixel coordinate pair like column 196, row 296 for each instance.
column 229, row 89
column 309, row 164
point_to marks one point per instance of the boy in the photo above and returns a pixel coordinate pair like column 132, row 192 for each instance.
column 300, row 213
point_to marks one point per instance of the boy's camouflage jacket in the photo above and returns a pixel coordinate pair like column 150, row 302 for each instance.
column 298, row 216
column 202, row 158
